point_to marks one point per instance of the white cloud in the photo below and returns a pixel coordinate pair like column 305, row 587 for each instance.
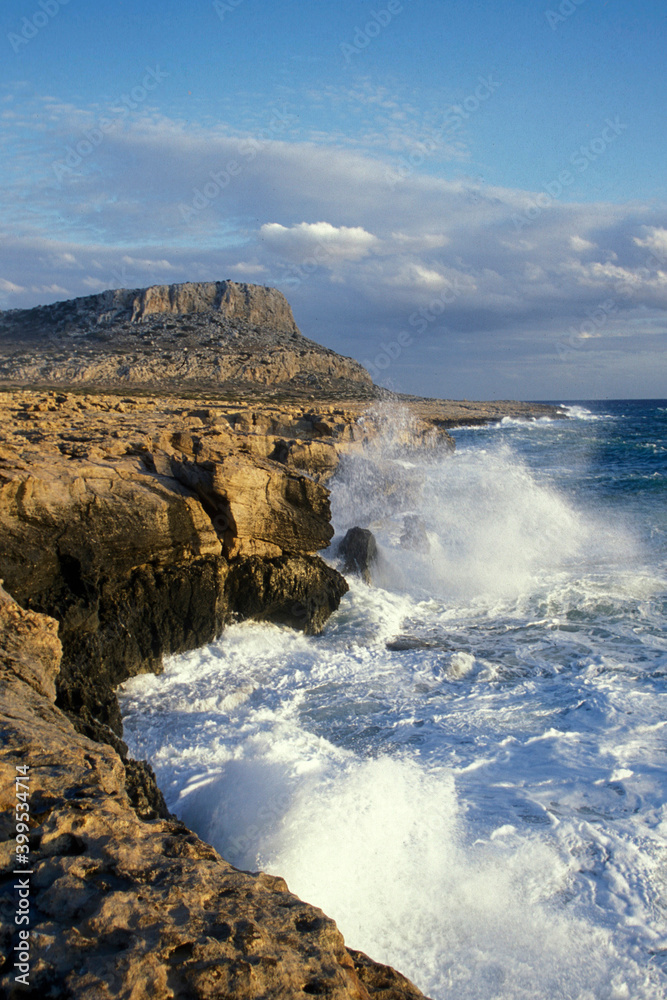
column 51, row 290
column 248, row 270
column 146, row 264
column 424, row 241
column 580, row 245
column 334, row 242
column 10, row 288
column 655, row 240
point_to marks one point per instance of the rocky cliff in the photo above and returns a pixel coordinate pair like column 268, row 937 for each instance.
column 219, row 335
column 144, row 525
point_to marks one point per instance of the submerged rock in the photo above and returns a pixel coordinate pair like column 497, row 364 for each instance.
column 414, row 535
column 403, row 643
column 360, row 553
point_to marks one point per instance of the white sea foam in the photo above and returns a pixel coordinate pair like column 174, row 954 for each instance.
column 524, row 422
column 466, row 904
column 492, row 528
column 483, row 804
column 576, row 412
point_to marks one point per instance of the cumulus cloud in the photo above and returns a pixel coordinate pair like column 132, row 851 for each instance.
column 655, row 240
column 581, row 245
column 335, row 242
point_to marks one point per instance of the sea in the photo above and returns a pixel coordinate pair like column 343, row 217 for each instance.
column 467, row 769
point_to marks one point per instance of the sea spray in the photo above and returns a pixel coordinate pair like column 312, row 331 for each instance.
column 490, row 527
column 466, row 769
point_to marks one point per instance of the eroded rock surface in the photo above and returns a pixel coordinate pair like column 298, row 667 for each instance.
column 145, row 526
column 125, row 908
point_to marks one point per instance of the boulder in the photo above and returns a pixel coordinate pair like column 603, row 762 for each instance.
column 260, row 507
column 131, row 567
column 359, row 551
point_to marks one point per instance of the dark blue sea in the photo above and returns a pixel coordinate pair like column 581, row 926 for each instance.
column 467, row 769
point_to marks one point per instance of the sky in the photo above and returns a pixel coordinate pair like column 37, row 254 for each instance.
column 468, row 197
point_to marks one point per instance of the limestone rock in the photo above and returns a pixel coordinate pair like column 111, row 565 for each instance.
column 29, row 646
column 141, row 550
column 381, row 981
column 260, row 507
column 255, row 304
column 299, row 591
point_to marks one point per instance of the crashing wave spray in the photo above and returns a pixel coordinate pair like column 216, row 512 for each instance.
column 472, row 809
column 454, row 526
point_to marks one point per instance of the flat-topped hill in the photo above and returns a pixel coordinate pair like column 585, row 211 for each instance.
column 252, row 304
column 221, row 335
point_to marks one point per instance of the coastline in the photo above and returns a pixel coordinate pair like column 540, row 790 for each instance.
column 58, row 448
column 164, row 454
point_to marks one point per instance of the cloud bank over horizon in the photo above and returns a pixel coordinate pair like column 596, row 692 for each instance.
column 440, row 286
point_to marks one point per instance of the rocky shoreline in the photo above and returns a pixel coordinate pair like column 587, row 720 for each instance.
column 137, row 521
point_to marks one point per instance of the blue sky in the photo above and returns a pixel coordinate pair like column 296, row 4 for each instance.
column 470, row 198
